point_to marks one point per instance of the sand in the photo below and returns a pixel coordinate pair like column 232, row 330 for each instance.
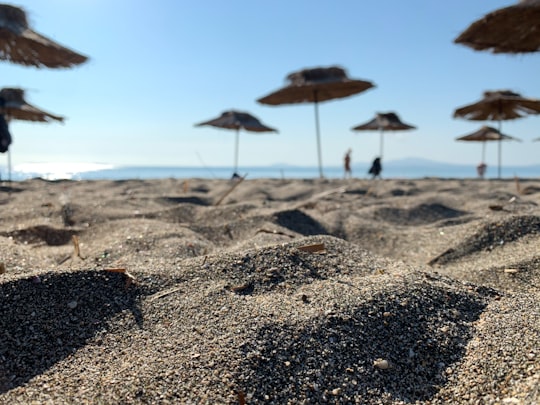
column 275, row 291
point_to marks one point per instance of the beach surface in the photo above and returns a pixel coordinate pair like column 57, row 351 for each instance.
column 270, row 291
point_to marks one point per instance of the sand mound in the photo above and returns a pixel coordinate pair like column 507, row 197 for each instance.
column 418, row 215
column 490, row 237
column 276, row 291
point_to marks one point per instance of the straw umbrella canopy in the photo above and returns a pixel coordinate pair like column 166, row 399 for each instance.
column 13, row 106
column 16, row 107
column 514, row 29
column 498, row 106
column 389, row 121
column 237, row 120
column 484, row 135
column 20, row 44
column 314, row 86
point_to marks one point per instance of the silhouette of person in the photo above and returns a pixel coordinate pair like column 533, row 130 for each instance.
column 376, row 168
column 347, row 164
column 481, row 169
column 5, row 136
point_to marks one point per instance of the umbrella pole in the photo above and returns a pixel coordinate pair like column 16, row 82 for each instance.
column 236, row 151
column 381, row 143
column 500, row 144
column 499, row 170
column 317, row 129
column 483, row 152
column 9, row 164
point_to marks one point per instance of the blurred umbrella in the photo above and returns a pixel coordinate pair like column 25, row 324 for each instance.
column 384, row 122
column 498, row 106
column 237, row 120
column 13, row 106
column 20, row 44
column 514, row 29
column 486, row 134
column 16, row 107
column 314, row 86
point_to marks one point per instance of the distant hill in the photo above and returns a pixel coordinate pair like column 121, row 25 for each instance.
column 421, row 162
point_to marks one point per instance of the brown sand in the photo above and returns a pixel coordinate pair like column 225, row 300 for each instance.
column 289, row 291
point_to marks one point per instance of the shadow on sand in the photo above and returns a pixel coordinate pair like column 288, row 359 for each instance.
column 297, row 221
column 419, row 333
column 46, row 319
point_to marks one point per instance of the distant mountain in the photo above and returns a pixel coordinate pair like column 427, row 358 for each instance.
column 427, row 163
column 410, row 162
column 421, row 162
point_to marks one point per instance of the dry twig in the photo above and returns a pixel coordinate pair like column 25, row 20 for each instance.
column 163, row 293
column 236, row 184
column 315, row 248
column 130, row 278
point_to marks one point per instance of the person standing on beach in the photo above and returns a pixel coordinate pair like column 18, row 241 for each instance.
column 481, row 169
column 347, row 164
column 5, row 136
column 376, row 168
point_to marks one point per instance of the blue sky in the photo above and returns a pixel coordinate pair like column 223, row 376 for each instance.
column 157, row 68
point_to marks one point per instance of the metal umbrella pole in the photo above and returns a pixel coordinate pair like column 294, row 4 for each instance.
column 381, row 143
column 318, row 132
column 236, row 151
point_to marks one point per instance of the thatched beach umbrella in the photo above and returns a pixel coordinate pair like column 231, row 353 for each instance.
column 484, row 135
column 20, row 44
column 514, row 29
column 389, row 121
column 314, row 86
column 498, row 106
column 13, row 106
column 237, row 120
column 16, row 107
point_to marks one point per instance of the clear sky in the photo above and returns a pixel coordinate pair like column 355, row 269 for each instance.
column 157, row 68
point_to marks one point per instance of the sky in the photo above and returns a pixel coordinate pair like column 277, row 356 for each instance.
column 157, row 68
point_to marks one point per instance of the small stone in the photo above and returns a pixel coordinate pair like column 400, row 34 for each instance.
column 72, row 304
column 381, row 364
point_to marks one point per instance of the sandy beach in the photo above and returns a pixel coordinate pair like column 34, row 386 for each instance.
column 270, row 291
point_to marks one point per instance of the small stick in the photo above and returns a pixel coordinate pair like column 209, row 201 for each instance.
column 236, row 184
column 316, row 248
column 116, row 270
column 76, row 245
column 76, row 251
column 163, row 293
column 130, row 278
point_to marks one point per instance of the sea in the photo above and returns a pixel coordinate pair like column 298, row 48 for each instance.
column 399, row 169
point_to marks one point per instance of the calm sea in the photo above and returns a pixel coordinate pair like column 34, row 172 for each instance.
column 407, row 169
